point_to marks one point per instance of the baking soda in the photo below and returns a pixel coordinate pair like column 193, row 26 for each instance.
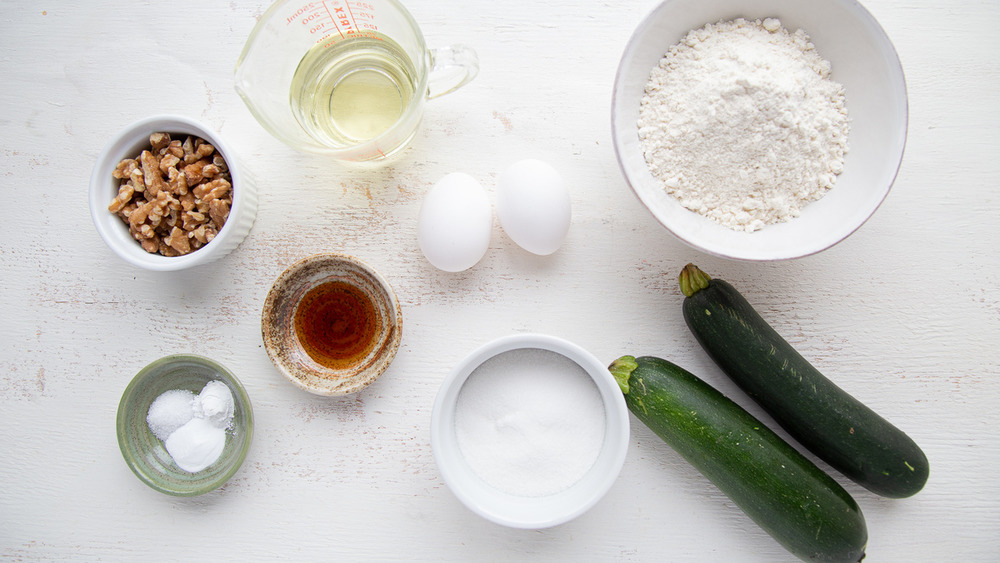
column 530, row 422
column 742, row 123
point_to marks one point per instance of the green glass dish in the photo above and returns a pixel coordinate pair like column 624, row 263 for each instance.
column 146, row 455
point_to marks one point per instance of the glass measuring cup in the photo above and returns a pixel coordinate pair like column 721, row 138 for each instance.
column 346, row 78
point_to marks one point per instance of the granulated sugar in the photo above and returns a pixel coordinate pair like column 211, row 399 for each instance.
column 741, row 123
column 171, row 410
column 530, row 422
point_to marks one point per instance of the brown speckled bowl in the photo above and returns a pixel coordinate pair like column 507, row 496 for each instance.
column 284, row 343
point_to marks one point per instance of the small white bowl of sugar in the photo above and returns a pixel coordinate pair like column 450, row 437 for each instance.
column 529, row 431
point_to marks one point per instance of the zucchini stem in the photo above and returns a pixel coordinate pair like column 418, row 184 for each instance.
column 621, row 369
column 692, row 280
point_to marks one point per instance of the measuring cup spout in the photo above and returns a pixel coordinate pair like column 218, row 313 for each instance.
column 452, row 67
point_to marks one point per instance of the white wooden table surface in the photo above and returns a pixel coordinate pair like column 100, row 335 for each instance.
column 905, row 314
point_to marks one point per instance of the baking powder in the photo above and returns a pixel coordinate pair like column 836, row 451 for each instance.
column 741, row 122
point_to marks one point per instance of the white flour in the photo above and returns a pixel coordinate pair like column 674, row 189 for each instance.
column 742, row 123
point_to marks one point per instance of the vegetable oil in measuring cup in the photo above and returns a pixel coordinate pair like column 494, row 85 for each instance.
column 352, row 91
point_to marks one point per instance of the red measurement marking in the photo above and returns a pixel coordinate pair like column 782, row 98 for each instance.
column 327, row 8
column 344, row 21
column 348, row 4
column 299, row 12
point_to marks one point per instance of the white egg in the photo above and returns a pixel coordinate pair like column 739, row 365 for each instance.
column 533, row 206
column 455, row 223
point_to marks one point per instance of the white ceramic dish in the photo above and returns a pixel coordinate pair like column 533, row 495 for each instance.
column 521, row 511
column 863, row 60
column 128, row 144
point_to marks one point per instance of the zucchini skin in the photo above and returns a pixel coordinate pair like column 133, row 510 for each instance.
column 794, row 501
column 825, row 419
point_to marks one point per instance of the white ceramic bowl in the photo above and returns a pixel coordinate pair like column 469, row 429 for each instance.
column 863, row 60
column 523, row 511
column 128, row 144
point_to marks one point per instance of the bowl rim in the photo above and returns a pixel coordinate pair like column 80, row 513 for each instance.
column 615, row 445
column 319, row 385
column 891, row 56
column 242, row 398
column 115, row 233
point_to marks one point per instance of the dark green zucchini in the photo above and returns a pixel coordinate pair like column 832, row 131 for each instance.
column 832, row 424
column 794, row 501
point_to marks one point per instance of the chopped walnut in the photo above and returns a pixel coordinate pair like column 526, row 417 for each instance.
column 175, row 149
column 178, row 241
column 159, row 140
column 125, row 169
column 175, row 196
column 210, row 170
column 151, row 173
column 218, row 210
column 215, row 189
column 125, row 193
column 194, row 171
column 168, row 164
column 135, row 179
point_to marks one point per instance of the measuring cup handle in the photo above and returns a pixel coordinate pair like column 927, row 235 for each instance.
column 452, row 67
